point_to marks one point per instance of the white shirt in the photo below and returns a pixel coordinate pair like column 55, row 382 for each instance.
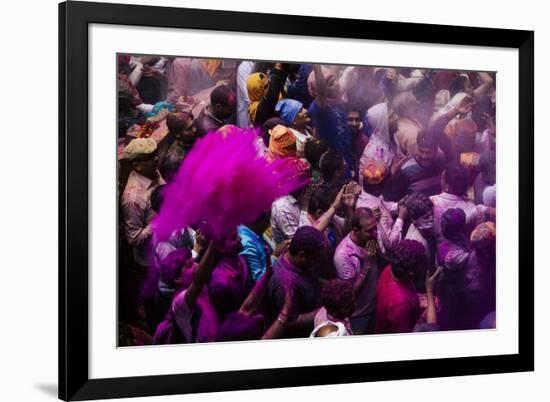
column 243, row 72
column 389, row 233
column 475, row 214
column 286, row 217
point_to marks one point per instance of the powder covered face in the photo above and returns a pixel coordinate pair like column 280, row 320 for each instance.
column 232, row 244
column 425, row 223
column 367, row 231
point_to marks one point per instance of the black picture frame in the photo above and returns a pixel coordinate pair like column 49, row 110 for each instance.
column 74, row 18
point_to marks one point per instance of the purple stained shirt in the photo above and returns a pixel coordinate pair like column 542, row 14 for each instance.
column 197, row 324
column 229, row 285
column 307, row 289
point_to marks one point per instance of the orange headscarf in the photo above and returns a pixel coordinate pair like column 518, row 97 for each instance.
column 375, row 170
column 282, row 142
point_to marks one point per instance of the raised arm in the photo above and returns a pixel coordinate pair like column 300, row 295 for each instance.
column 325, row 219
column 349, row 199
column 266, row 108
column 431, row 315
column 321, row 86
column 438, row 124
column 486, row 84
column 278, row 328
column 202, row 275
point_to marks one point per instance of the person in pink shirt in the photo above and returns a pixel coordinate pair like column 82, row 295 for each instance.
column 178, row 77
column 398, row 308
column 456, row 181
column 355, row 261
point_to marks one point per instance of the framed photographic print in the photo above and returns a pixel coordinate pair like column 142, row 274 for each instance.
column 258, row 200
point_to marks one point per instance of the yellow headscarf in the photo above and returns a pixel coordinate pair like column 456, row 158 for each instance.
column 256, row 86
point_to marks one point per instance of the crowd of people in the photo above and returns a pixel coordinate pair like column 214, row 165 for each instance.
column 390, row 229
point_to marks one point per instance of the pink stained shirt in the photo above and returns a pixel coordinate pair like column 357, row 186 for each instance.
column 475, row 214
column 178, row 77
column 348, row 260
column 397, row 308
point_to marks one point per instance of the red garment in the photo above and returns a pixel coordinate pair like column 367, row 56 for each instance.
column 397, row 308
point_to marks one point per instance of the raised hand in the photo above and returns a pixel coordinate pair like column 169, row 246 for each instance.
column 465, row 105
column 354, row 188
column 372, row 247
column 430, row 279
column 337, row 203
column 403, row 212
column 348, row 198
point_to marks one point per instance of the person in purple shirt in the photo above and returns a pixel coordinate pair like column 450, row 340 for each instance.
column 230, row 283
column 295, row 270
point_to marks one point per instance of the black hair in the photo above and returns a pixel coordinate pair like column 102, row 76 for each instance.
column 355, row 107
column 221, row 95
column 313, row 150
column 268, row 125
column 307, row 239
column 335, row 294
column 457, row 178
column 330, row 162
column 418, row 204
column 426, row 139
column 321, row 199
column 452, row 222
column 407, row 256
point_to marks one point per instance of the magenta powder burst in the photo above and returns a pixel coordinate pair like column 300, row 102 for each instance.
column 224, row 181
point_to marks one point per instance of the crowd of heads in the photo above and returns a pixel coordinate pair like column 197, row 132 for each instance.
column 375, row 190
